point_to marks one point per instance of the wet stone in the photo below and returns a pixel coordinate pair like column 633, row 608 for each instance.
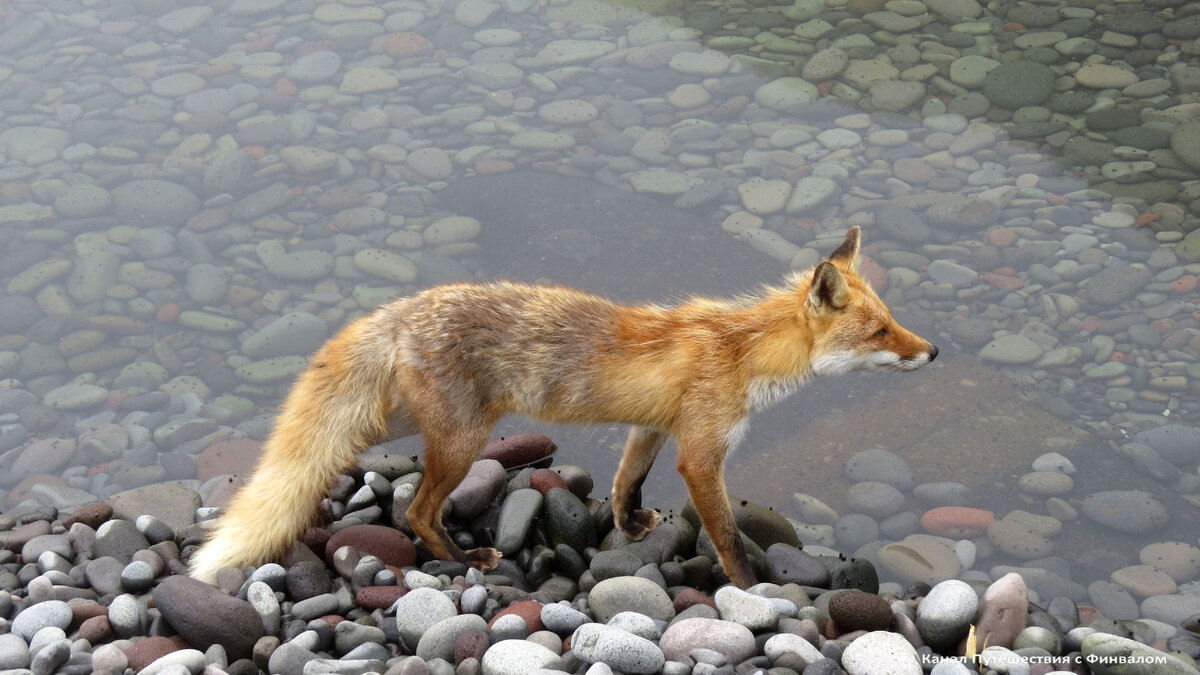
column 1128, row 511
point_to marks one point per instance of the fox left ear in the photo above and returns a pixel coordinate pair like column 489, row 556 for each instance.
column 846, row 254
column 829, row 289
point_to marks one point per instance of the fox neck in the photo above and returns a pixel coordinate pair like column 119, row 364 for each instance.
column 781, row 347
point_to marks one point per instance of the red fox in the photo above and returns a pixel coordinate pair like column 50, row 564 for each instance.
column 449, row 361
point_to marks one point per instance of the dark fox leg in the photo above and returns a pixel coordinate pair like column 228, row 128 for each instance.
column 640, row 451
column 449, row 453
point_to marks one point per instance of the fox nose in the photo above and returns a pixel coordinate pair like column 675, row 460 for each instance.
column 932, row 352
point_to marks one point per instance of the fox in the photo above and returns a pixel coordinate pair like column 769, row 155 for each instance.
column 451, row 360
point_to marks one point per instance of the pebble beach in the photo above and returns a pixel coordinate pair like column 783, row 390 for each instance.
column 194, row 197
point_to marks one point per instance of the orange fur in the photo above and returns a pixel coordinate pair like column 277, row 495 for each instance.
column 451, row 360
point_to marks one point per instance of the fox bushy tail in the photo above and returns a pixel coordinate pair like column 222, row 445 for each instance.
column 337, row 407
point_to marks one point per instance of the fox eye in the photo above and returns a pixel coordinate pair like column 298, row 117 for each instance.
column 881, row 333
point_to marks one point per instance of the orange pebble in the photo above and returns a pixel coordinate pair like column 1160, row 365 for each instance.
column 1013, row 27
column 168, row 313
column 1184, row 284
column 285, row 86
column 957, row 521
column 1003, row 281
column 1002, row 236
column 1146, row 218
column 1090, row 325
column 1057, row 200
column 1117, row 356
column 255, row 151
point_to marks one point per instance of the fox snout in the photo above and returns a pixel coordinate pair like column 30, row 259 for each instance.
column 918, row 359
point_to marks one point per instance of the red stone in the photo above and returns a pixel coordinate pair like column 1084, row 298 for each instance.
column 81, row 613
column 470, row 645
column 529, row 610
column 145, row 652
column 958, row 522
column 21, row 534
column 543, row 480
column 689, row 597
column 391, row 546
column 379, row 597
column 96, row 630
column 520, row 450
column 92, row 515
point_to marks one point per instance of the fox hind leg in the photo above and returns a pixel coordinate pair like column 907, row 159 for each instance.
column 449, row 454
column 641, row 449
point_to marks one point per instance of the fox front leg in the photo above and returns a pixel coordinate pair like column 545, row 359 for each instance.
column 640, row 451
column 702, row 465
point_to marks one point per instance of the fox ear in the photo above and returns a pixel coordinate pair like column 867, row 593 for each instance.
column 846, row 254
column 829, row 289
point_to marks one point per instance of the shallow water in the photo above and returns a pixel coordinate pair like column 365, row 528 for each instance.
column 178, row 178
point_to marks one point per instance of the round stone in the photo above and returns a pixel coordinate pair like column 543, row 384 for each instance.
column 630, row 594
column 1018, row 83
column 1130, row 511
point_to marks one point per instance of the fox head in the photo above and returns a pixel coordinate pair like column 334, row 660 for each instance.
column 852, row 329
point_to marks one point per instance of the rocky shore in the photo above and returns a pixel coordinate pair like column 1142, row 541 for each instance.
column 107, row 594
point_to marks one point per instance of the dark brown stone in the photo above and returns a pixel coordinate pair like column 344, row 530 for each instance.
column 92, row 515
column 205, row 616
column 96, row 630
column 391, row 546
column 689, row 597
column 520, row 450
column 858, row 610
column 470, row 645
column 145, row 652
column 379, row 597
column 20, row 535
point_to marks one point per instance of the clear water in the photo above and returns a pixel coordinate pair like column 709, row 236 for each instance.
column 421, row 111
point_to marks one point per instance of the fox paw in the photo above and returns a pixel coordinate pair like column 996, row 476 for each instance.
column 485, row 559
column 638, row 524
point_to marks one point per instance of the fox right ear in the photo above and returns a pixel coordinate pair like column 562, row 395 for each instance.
column 846, row 254
column 829, row 289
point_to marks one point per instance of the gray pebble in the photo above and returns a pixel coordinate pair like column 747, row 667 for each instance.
column 473, row 600
column 320, row 605
column 560, row 618
column 945, row 614
column 263, row 600
column 438, row 640
column 875, row 499
column 137, row 577
column 35, row 617
column 104, row 574
column 50, row 657
column 348, row 635
column 882, row 466
column 595, row 643
column 752, row 611
column 127, row 616
column 14, row 652
column 638, row 624
column 418, row 610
